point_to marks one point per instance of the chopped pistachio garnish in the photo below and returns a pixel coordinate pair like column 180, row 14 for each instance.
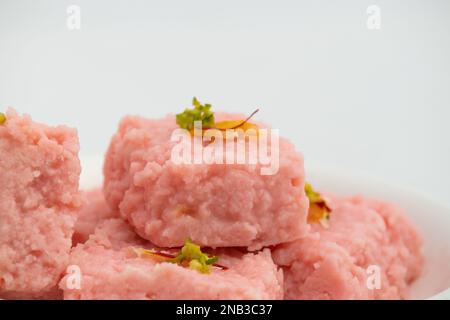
column 192, row 255
column 204, row 114
column 200, row 112
column 319, row 212
column 2, row 118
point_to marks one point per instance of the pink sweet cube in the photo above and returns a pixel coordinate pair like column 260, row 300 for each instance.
column 109, row 268
column 364, row 237
column 216, row 205
column 39, row 199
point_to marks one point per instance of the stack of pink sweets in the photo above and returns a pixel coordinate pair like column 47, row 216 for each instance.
column 161, row 229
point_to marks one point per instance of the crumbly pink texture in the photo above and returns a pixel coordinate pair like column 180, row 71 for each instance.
column 331, row 263
column 94, row 211
column 168, row 202
column 110, row 270
column 39, row 199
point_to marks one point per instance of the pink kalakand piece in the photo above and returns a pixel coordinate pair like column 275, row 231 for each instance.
column 109, row 268
column 334, row 263
column 216, row 205
column 94, row 211
column 39, row 199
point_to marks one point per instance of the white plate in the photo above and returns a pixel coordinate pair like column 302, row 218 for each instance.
column 432, row 218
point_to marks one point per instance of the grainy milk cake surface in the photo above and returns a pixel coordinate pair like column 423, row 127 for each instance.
column 39, row 200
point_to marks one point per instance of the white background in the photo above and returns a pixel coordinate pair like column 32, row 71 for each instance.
column 369, row 101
